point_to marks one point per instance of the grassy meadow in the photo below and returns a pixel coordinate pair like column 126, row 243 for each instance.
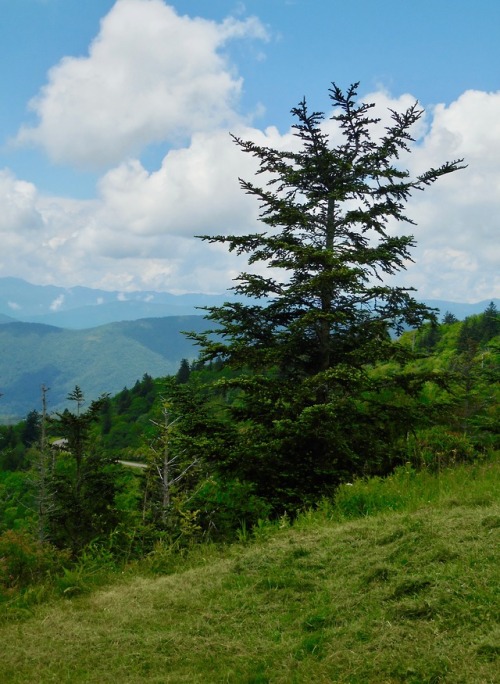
column 396, row 581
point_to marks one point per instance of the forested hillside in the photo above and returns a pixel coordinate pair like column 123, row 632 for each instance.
column 103, row 359
column 190, row 422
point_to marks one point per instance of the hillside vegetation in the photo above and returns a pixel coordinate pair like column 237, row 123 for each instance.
column 102, row 359
column 396, row 582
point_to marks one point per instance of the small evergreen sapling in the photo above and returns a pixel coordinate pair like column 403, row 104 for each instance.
column 83, row 482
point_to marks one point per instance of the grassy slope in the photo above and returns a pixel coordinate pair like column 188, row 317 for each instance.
column 409, row 595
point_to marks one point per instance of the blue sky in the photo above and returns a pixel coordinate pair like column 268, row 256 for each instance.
column 114, row 120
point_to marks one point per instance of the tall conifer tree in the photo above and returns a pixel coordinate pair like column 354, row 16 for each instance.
column 323, row 310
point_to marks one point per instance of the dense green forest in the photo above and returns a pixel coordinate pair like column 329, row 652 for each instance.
column 181, row 428
column 335, row 376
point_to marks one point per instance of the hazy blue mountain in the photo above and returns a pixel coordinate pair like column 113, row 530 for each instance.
column 82, row 307
column 461, row 310
column 102, row 359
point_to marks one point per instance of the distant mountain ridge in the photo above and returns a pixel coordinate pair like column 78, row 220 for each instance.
column 99, row 360
column 82, row 307
column 78, row 307
column 101, row 341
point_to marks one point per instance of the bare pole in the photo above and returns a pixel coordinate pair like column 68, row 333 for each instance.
column 43, row 495
column 169, row 466
column 166, row 471
column 43, row 439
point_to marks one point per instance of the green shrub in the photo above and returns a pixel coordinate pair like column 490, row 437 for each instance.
column 408, row 489
column 223, row 508
column 374, row 495
column 437, row 448
column 25, row 561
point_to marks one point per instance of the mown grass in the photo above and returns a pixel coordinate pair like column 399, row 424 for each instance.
column 360, row 592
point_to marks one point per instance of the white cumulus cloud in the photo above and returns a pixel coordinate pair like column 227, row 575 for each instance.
column 151, row 75
column 458, row 247
column 139, row 231
column 19, row 205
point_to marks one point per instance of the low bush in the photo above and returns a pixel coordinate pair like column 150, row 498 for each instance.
column 25, row 561
column 437, row 448
column 409, row 489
